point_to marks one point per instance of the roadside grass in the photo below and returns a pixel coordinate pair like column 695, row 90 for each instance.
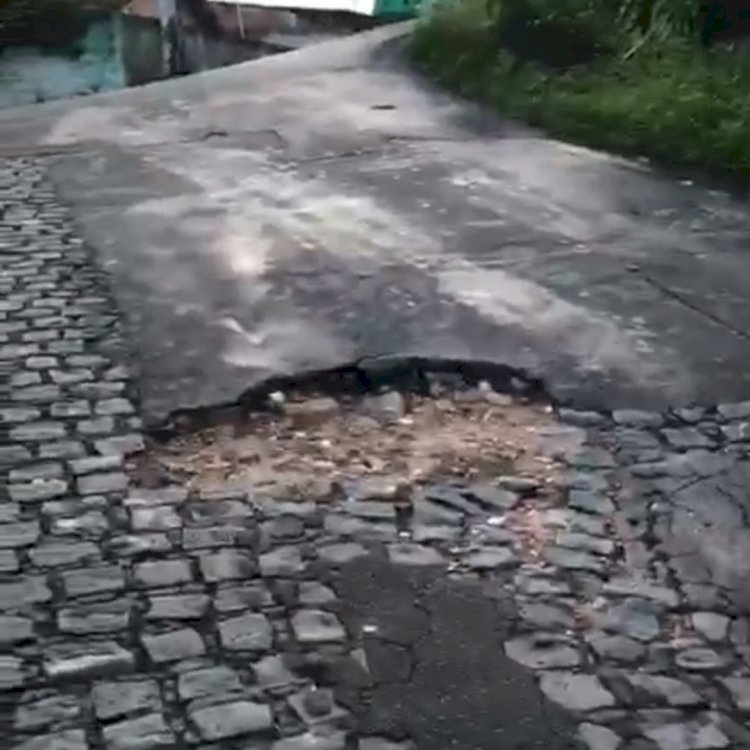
column 672, row 101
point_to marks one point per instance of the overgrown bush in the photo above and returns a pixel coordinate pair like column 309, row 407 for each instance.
column 559, row 33
column 650, row 90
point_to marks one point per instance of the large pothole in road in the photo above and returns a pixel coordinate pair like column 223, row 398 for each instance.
column 382, row 446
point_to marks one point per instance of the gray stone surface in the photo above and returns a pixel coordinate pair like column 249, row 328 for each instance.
column 210, row 682
column 83, row 660
column 113, row 699
column 250, row 632
column 70, row 739
column 577, row 692
column 178, row 607
column 226, row 566
column 157, row 574
column 46, row 711
column 283, row 561
column 232, row 719
column 141, row 733
column 543, row 651
column 173, row 645
column 739, row 687
column 312, row 626
column 686, row 736
column 341, row 553
column 599, row 738
column 405, row 553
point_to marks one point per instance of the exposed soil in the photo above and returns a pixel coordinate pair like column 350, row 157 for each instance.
column 309, row 446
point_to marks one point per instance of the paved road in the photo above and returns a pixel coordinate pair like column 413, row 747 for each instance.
column 306, row 210
column 614, row 616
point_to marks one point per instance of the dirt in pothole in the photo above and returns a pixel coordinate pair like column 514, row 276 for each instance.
column 309, row 445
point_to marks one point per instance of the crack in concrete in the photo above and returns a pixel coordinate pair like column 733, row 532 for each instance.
column 693, row 307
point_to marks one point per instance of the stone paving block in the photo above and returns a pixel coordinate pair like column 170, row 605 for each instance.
column 13, row 673
column 636, row 418
column 8, row 561
column 226, row 565
column 249, row 632
column 490, row 558
column 688, row 735
column 83, row 660
column 14, row 629
column 405, row 553
column 272, row 672
column 543, row 651
column 95, row 484
column 570, row 559
column 114, row 699
column 159, row 518
column 282, row 561
column 240, row 597
column 712, row 625
column 576, row 692
column 142, row 733
column 125, row 445
column 213, row 682
column 18, row 414
column 598, row 737
column 102, row 617
column 634, row 618
column 671, row 690
column 739, row 688
column 55, row 554
column 139, row 544
column 36, row 471
column 211, row 538
column 341, row 553
column 93, row 464
column 25, row 591
column 140, row 497
column 702, row 660
column 316, row 739
column 381, row 743
column 71, row 739
column 108, row 578
column 616, row 648
column 316, row 705
column 173, row 645
column 178, row 607
column 16, row 535
column 232, row 720
column 313, row 626
column 37, row 491
column 312, row 593
column 62, row 449
column 590, row 502
column 162, row 573
column 47, row 711
column 12, row 455
column 64, row 409
column 114, row 407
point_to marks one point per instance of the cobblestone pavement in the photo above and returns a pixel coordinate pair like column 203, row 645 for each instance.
column 133, row 619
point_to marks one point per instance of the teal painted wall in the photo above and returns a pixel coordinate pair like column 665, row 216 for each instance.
column 29, row 74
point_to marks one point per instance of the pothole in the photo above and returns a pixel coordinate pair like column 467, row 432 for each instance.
column 305, row 445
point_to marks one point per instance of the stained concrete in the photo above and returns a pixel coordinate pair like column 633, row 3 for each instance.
column 302, row 211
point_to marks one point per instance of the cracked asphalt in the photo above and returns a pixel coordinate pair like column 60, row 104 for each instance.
column 146, row 267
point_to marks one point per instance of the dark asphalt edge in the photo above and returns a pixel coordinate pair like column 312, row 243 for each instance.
column 404, row 373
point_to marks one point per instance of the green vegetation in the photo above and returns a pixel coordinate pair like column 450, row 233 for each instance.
column 641, row 78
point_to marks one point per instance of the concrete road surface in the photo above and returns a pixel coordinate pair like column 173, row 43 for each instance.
column 305, row 210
